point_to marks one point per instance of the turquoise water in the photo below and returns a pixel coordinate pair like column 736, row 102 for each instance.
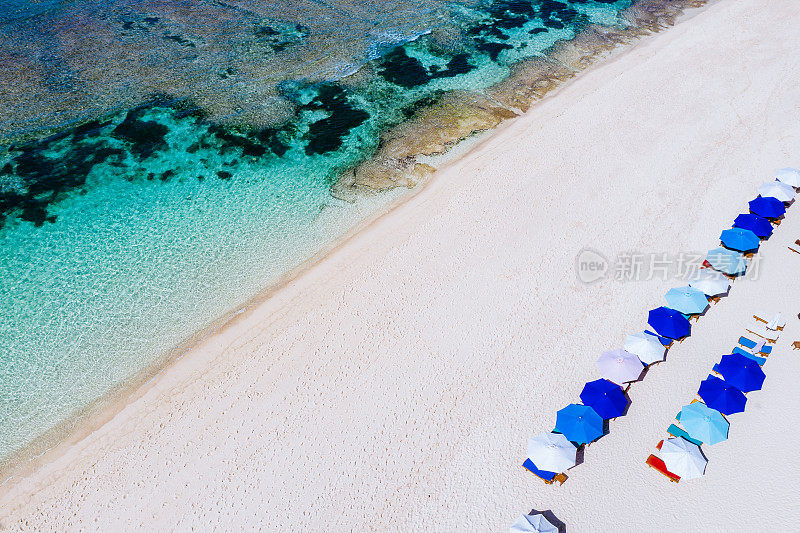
column 126, row 228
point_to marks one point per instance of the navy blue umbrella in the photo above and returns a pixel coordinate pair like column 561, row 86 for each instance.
column 767, row 207
column 669, row 323
column 758, row 225
column 722, row 396
column 741, row 372
column 605, row 397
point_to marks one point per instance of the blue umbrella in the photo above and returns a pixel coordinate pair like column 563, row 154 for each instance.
column 669, row 323
column 758, row 225
column 687, row 300
column 742, row 372
column 605, row 397
column 703, row 423
column 767, row 207
column 727, row 261
column 740, row 239
column 579, row 423
column 722, row 396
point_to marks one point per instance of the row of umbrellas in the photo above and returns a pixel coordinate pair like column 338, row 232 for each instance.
column 705, row 421
column 604, row 399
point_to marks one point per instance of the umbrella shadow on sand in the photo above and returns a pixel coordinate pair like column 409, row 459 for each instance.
column 548, row 514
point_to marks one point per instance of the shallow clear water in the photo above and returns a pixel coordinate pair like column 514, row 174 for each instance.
column 131, row 227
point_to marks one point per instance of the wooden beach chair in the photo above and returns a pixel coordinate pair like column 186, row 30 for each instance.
column 796, row 345
column 747, row 343
column 757, row 359
column 779, row 325
column 548, row 477
column 675, row 431
column 658, row 465
column 763, row 332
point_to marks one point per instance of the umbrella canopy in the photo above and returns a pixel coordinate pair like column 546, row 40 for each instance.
column 742, row 372
column 740, row 239
column 758, row 225
column 552, row 452
column 605, row 397
column 687, row 300
column 669, row 323
column 711, row 282
column 683, row 458
column 704, row 424
column 789, row 176
column 579, row 423
column 767, row 207
column 532, row 523
column 619, row 366
column 722, row 396
column 646, row 347
column 727, row 261
column 776, row 189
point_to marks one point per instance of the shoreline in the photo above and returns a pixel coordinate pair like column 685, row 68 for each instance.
column 274, row 380
column 56, row 441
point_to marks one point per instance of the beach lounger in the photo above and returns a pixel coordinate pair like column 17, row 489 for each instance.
column 747, row 343
column 657, row 464
column 675, row 431
column 762, row 331
column 757, row 359
column 795, row 251
column 544, row 475
column 776, row 323
column 796, row 345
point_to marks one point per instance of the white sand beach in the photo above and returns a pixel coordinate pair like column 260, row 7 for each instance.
column 394, row 385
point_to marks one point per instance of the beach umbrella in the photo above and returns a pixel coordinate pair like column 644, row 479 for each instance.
column 758, row 225
column 687, row 300
column 579, row 423
column 727, row 261
column 711, row 282
column 605, row 397
column 742, row 372
column 722, row 396
column 552, row 452
column 789, row 176
column 619, row 366
column 703, row 423
column 683, row 458
column 777, row 190
column 767, row 207
column 669, row 323
column 742, row 240
column 646, row 347
column 532, row 523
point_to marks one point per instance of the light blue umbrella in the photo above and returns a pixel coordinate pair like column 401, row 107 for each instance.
column 727, row 261
column 703, row 423
column 579, row 423
column 533, row 523
column 687, row 300
column 742, row 240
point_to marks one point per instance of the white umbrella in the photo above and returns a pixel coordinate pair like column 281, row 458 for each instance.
column 533, row 523
column 777, row 189
column 710, row 281
column 683, row 458
column 619, row 366
column 646, row 347
column 552, row 452
column 789, row 176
